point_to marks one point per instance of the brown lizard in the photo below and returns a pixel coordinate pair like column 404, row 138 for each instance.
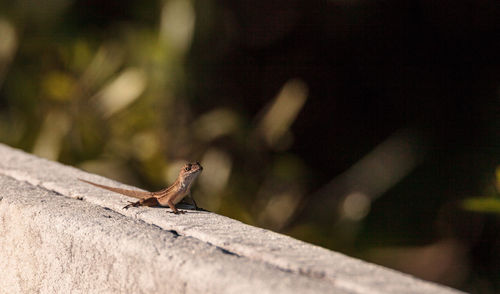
column 169, row 196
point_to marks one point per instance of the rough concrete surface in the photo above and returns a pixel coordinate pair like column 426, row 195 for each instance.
column 52, row 242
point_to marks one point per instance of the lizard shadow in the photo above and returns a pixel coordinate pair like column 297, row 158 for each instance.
column 186, row 207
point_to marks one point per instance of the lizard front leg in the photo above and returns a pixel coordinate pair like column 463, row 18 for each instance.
column 194, row 202
column 174, row 209
column 150, row 201
column 190, row 196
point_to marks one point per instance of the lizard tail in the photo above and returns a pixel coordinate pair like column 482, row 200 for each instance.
column 131, row 193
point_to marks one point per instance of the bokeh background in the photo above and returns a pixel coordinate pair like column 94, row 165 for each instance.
column 366, row 127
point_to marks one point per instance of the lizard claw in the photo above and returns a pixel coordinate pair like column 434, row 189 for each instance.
column 177, row 212
column 130, row 204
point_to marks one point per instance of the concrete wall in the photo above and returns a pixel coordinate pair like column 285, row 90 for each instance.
column 58, row 234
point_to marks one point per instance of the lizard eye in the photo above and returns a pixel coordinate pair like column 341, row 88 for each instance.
column 187, row 168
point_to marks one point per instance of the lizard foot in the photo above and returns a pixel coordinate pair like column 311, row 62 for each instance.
column 131, row 204
column 178, row 212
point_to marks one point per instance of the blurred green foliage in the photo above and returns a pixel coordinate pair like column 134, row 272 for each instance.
column 483, row 204
column 486, row 204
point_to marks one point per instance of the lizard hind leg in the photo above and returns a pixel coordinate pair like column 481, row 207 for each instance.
column 150, row 201
column 131, row 204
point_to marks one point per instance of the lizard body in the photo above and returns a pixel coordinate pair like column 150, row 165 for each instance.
column 169, row 196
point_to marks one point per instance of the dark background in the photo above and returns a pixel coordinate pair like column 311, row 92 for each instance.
column 383, row 141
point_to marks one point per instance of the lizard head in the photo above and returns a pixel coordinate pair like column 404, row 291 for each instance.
column 190, row 171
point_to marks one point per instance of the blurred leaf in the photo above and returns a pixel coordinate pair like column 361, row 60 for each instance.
column 58, row 86
column 216, row 123
column 497, row 179
column 122, row 91
column 482, row 204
